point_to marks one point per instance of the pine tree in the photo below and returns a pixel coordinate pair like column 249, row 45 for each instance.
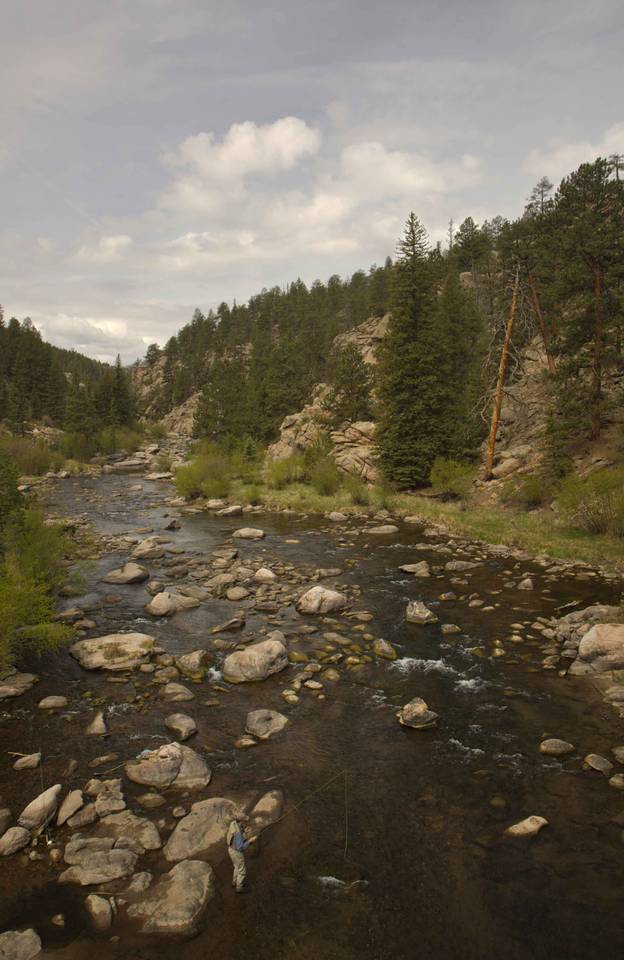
column 121, row 400
column 412, row 367
column 350, row 394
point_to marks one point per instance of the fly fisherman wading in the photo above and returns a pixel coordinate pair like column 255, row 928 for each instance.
column 237, row 843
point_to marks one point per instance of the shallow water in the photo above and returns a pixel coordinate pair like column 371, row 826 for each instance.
column 392, row 847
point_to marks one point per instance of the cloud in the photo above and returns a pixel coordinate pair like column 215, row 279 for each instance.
column 560, row 158
column 107, row 249
column 210, row 174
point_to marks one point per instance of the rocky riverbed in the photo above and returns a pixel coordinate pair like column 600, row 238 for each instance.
column 425, row 732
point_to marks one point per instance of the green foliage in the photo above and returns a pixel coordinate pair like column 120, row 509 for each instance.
column 11, row 501
column 451, row 477
column 325, row 477
column 384, row 494
column 351, row 385
column 281, row 473
column 31, row 569
column 207, row 475
column 32, row 458
column 357, row 490
column 595, row 504
column 82, row 447
column 528, row 492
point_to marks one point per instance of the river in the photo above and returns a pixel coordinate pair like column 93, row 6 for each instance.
column 392, row 846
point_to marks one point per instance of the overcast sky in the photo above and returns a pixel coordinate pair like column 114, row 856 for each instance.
column 158, row 155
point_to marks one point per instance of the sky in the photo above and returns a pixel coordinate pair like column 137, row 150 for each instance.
column 162, row 155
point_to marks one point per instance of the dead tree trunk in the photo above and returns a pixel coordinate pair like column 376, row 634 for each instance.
column 540, row 319
column 500, row 383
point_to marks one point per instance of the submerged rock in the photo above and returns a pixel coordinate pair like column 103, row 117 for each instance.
column 115, row 651
column 593, row 761
column 420, row 569
column 100, row 912
column 176, row 903
column 15, row 684
column 385, row 650
column 28, row 762
column 15, row 839
column 264, row 724
column 258, row 661
column 321, row 600
column 385, row 530
column 417, row 715
column 53, row 703
column 248, row 533
column 181, row 724
column 556, row 748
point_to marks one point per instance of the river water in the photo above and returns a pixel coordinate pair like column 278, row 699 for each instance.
column 393, row 844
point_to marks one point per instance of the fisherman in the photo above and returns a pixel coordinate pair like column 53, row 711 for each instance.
column 237, row 843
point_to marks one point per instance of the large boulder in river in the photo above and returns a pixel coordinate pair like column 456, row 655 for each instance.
column 418, row 612
column 41, row 810
column 19, row 945
column 165, row 604
column 600, row 650
column 248, row 533
column 15, row 839
column 202, row 829
column 321, row 600
column 417, row 715
column 115, row 651
column 129, row 573
column 264, row 724
column 97, row 860
column 127, row 826
column 175, row 905
column 171, row 765
column 149, row 549
column 258, row 661
column 15, row 684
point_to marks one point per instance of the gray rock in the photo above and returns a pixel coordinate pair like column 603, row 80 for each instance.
column 177, row 693
column 127, row 826
column 99, row 866
column 265, row 724
column 176, row 904
column 109, row 797
column 165, row 604
column 321, row 600
column 19, row 945
column 418, row 612
column 600, row 650
column 202, row 829
column 149, row 549
column 72, row 803
column 556, row 748
column 97, row 727
column 193, row 664
column 169, row 765
column 53, row 703
column 129, row 573
column 29, row 762
column 100, row 911
column 15, row 684
column 181, row 724
column 248, row 533
column 417, row 715
column 258, row 661
column 593, row 761
column 15, row 838
column 385, row 530
column 460, row 566
column 529, row 827
column 416, row 569
column 115, row 651
column 41, row 810
column 383, row 649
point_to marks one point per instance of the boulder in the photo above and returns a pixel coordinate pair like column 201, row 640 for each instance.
column 29, row 762
column 181, row 724
column 15, row 838
column 321, row 600
column 177, row 693
column 264, row 724
column 175, row 904
column 383, row 649
column 528, row 827
column 127, row 826
column 70, row 805
column 418, row 612
column 19, row 945
column 165, row 604
column 503, row 469
column 109, row 796
column 234, row 511
column 150, row 549
column 593, row 761
column 248, row 533
column 115, row 651
column 416, row 569
column 91, row 865
column 129, row 573
column 460, row 566
column 170, row 765
column 193, row 664
column 264, row 575
column 53, row 703
column 203, row 828
column 40, row 810
column 266, row 811
column 100, row 911
column 600, row 650
column 258, row 661
column 556, row 748
column 417, row 715
column 15, row 684
column 384, row 530
column 97, row 727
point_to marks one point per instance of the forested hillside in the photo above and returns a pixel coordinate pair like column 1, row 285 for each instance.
column 41, row 383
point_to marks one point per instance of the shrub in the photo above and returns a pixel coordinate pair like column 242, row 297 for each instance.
column 528, row 492
column 384, row 494
column 156, row 431
column 32, row 457
column 319, row 450
column 82, row 447
column 252, row 494
column 451, row 478
column 207, row 475
column 325, row 477
column 163, row 462
column 595, row 503
column 357, row 491
column 281, row 473
column 10, row 498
